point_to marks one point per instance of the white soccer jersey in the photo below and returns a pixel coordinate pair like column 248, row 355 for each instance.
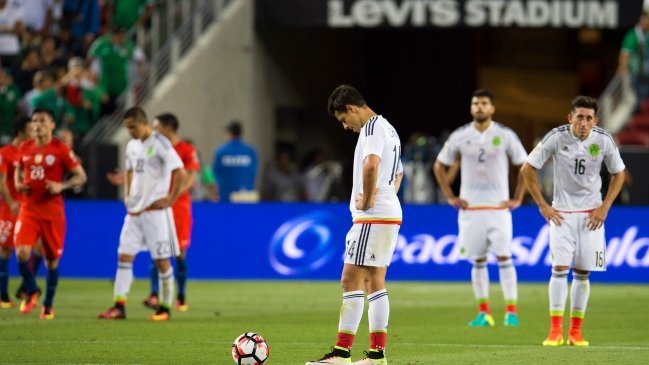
column 577, row 165
column 152, row 162
column 484, row 162
column 378, row 137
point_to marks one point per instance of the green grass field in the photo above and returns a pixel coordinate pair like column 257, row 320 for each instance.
column 299, row 321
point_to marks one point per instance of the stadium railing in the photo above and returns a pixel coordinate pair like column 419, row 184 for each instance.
column 175, row 27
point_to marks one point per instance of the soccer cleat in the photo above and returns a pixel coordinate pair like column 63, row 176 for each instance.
column 181, row 305
column 576, row 339
column 113, row 313
column 554, row 339
column 151, row 301
column 47, row 312
column 6, row 304
column 482, row 320
column 5, row 301
column 336, row 356
column 511, row 319
column 372, row 358
column 162, row 314
column 29, row 303
column 21, row 292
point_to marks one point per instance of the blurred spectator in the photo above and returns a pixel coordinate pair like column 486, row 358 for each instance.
column 42, row 81
column 235, row 165
column 11, row 25
column 113, row 51
column 82, row 17
column 634, row 57
column 418, row 158
column 80, row 93
column 68, row 46
column 54, row 99
column 50, row 56
column 322, row 179
column 9, row 99
column 282, row 180
column 37, row 15
column 23, row 73
column 128, row 13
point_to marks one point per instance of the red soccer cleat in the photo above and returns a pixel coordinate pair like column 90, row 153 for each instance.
column 113, row 313
column 47, row 312
column 29, row 303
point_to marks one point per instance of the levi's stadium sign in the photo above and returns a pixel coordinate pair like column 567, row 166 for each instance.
column 600, row 14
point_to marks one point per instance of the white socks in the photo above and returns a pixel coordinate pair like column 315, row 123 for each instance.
column 123, row 280
column 579, row 293
column 379, row 311
column 351, row 311
column 508, row 280
column 166, row 282
column 558, row 290
column 480, row 280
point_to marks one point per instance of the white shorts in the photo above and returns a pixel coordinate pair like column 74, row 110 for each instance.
column 152, row 230
column 371, row 244
column 482, row 231
column 573, row 244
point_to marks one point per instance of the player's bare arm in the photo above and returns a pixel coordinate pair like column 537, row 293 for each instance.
column 189, row 181
column 597, row 217
column 365, row 200
column 19, row 180
column 78, row 177
column 529, row 176
column 6, row 196
column 177, row 179
column 397, row 183
column 443, row 181
column 519, row 193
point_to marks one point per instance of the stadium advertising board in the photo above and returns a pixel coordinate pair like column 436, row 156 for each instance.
column 601, row 14
column 306, row 241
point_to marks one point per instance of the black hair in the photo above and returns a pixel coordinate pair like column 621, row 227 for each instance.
column 235, row 128
column 586, row 102
column 137, row 113
column 45, row 111
column 342, row 96
column 168, row 120
column 484, row 93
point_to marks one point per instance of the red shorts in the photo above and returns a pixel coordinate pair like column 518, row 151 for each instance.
column 183, row 223
column 51, row 231
column 7, row 221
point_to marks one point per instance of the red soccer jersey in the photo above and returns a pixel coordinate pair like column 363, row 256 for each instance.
column 187, row 154
column 41, row 163
column 8, row 158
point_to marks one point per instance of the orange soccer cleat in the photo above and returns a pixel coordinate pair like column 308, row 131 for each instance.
column 29, row 303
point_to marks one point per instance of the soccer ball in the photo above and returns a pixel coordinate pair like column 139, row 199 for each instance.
column 250, row 349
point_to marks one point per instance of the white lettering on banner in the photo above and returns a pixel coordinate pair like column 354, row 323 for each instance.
column 236, row 160
column 628, row 250
column 477, row 13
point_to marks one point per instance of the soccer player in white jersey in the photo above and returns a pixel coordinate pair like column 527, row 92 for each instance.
column 484, row 149
column 152, row 166
column 577, row 214
column 376, row 213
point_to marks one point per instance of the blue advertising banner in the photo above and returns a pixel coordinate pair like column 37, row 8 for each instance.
column 306, row 241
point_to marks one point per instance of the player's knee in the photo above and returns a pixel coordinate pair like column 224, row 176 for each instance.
column 561, row 268
column 580, row 271
column 480, row 260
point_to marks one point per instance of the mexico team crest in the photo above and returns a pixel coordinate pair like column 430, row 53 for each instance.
column 593, row 150
column 496, row 141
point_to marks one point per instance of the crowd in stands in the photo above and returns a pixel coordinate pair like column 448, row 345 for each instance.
column 73, row 57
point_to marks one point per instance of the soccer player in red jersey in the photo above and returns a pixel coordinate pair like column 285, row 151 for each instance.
column 167, row 124
column 9, row 205
column 41, row 164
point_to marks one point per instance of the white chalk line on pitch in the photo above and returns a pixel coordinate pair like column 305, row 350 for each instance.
column 162, row 342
